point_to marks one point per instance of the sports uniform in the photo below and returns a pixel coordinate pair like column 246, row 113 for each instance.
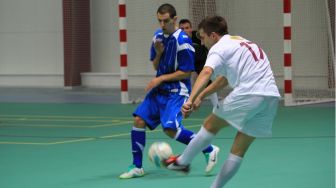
column 162, row 104
column 250, row 107
column 248, row 71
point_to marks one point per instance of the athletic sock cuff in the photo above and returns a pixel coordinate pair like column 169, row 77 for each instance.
column 206, row 133
column 138, row 129
column 235, row 158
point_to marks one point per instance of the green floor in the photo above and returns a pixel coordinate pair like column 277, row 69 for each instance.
column 88, row 145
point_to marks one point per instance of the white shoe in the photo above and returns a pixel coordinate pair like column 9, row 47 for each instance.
column 171, row 164
column 133, row 172
column 211, row 159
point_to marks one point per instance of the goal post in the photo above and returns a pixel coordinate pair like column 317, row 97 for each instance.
column 309, row 75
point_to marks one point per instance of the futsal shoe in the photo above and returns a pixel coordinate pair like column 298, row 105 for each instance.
column 133, row 172
column 171, row 164
column 211, row 159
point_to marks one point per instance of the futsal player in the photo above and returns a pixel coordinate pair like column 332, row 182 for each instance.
column 172, row 55
column 250, row 108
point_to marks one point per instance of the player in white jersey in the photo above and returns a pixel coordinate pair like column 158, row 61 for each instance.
column 250, row 108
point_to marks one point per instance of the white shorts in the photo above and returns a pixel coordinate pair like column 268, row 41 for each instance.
column 249, row 114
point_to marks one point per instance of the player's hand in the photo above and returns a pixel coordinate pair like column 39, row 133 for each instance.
column 153, row 83
column 158, row 46
column 187, row 109
column 197, row 103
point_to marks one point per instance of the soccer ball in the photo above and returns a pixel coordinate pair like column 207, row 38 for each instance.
column 158, row 152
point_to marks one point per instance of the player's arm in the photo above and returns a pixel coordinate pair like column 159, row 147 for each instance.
column 216, row 85
column 158, row 46
column 178, row 75
column 201, row 82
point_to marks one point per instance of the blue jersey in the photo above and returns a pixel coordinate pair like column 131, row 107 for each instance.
column 178, row 54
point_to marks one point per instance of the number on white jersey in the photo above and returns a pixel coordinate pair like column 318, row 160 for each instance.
column 247, row 45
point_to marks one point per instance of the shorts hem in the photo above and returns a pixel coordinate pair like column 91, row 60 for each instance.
column 247, row 132
column 146, row 121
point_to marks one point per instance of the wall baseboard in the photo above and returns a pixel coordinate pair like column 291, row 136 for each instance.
column 32, row 80
column 112, row 80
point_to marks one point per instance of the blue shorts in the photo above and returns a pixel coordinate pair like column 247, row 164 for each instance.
column 161, row 108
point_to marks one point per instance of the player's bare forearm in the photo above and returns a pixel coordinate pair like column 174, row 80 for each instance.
column 216, row 85
column 201, row 82
column 178, row 75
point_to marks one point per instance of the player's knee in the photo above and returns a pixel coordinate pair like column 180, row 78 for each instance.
column 139, row 122
column 210, row 127
column 170, row 132
column 213, row 124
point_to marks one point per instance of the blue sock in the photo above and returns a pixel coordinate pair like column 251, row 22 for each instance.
column 138, row 136
column 184, row 136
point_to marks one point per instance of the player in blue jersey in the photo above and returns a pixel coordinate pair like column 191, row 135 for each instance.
column 172, row 55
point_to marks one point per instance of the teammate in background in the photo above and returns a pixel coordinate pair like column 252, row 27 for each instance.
column 201, row 53
column 172, row 55
column 250, row 107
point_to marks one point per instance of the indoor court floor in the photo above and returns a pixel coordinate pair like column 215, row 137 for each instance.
column 55, row 138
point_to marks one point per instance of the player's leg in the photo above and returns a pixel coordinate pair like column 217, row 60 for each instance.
column 210, row 152
column 146, row 114
column 138, row 140
column 232, row 163
column 212, row 125
column 171, row 123
column 256, row 119
column 184, row 136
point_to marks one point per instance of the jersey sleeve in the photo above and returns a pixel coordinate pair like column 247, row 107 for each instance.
column 186, row 57
column 215, row 61
column 158, row 35
column 152, row 52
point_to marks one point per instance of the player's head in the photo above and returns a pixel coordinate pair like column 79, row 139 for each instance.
column 211, row 29
column 166, row 15
column 185, row 25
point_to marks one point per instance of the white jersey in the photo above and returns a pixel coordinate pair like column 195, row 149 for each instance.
column 244, row 65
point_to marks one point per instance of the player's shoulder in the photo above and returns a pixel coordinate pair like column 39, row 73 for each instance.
column 235, row 39
column 223, row 45
column 182, row 37
column 158, row 32
column 158, row 35
column 228, row 42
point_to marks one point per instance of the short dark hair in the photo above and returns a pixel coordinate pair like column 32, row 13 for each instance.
column 215, row 24
column 167, row 8
column 183, row 21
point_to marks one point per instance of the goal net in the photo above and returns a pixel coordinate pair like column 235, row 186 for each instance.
column 313, row 59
